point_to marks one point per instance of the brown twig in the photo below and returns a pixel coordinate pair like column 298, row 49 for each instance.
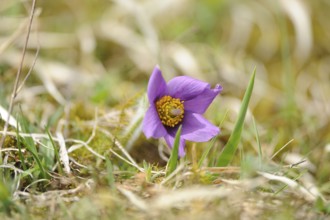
column 19, row 72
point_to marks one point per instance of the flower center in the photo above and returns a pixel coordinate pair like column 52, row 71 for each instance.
column 170, row 110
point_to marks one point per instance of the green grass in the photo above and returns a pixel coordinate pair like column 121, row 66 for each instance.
column 80, row 152
column 232, row 144
column 173, row 160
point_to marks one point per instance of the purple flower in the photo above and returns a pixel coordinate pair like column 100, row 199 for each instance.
column 182, row 100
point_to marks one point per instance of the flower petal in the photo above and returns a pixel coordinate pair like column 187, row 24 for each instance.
column 196, row 128
column 170, row 142
column 151, row 125
column 200, row 103
column 157, row 85
column 185, row 87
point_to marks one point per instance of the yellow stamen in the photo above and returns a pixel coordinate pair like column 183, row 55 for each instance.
column 170, row 110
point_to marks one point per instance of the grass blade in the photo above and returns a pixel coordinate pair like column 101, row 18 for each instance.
column 230, row 148
column 208, row 149
column 18, row 144
column 206, row 152
column 173, row 161
column 110, row 176
column 258, row 142
column 28, row 142
column 60, row 169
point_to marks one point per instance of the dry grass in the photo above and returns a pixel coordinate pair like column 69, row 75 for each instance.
column 87, row 89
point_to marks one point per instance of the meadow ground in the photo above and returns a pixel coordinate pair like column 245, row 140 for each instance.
column 73, row 96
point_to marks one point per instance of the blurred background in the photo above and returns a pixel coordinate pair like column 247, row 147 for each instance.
column 100, row 54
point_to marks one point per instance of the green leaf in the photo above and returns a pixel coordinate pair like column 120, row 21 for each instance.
column 173, row 161
column 57, row 156
column 147, row 169
column 20, row 154
column 230, row 148
column 28, row 142
column 258, row 142
column 110, row 177
column 208, row 149
column 206, row 152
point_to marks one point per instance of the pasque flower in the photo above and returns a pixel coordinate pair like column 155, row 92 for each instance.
column 181, row 101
